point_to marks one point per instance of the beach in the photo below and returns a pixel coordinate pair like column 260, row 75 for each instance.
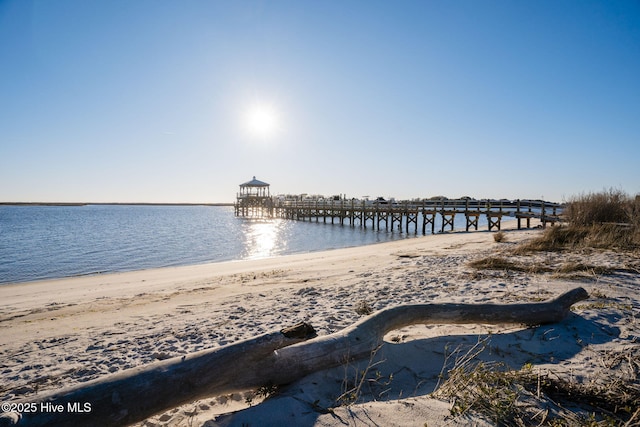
column 58, row 333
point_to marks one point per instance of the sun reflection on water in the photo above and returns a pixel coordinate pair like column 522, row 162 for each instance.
column 263, row 238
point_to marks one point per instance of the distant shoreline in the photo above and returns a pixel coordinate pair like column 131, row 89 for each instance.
column 109, row 203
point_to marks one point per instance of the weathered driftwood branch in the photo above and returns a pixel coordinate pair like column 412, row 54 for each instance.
column 276, row 358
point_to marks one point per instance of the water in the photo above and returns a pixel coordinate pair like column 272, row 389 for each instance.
column 45, row 242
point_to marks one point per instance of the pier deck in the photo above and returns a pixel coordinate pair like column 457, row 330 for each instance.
column 417, row 216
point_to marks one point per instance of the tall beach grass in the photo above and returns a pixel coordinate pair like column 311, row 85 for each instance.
column 608, row 220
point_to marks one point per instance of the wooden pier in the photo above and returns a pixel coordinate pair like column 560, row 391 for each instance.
column 255, row 201
column 419, row 216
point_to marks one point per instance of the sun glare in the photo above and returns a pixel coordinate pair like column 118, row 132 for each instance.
column 263, row 238
column 262, row 121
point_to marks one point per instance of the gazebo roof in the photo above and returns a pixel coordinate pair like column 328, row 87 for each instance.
column 254, row 183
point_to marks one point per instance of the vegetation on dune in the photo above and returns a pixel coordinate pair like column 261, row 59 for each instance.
column 612, row 206
column 609, row 220
column 530, row 396
column 501, row 263
column 605, row 220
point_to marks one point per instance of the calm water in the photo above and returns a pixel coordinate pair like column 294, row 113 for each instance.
column 43, row 242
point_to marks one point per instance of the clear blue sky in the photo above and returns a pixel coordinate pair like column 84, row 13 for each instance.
column 147, row 100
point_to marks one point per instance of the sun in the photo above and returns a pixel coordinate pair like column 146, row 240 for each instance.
column 262, row 121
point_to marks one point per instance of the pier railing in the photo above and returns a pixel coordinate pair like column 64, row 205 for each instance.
column 418, row 214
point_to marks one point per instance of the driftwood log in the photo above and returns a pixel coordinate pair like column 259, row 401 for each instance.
column 271, row 359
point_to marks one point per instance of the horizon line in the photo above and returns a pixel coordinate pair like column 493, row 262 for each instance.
column 115, row 203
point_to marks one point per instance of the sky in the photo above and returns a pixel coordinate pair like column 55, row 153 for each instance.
column 182, row 101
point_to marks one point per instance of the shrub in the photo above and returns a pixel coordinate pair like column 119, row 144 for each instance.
column 499, row 237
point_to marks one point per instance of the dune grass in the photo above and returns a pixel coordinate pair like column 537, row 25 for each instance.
column 528, row 396
column 502, row 263
column 609, row 220
column 605, row 220
column 609, row 206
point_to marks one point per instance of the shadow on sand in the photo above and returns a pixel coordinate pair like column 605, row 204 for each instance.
column 412, row 368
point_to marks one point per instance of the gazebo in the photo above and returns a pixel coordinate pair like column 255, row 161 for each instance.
column 254, row 199
column 255, row 188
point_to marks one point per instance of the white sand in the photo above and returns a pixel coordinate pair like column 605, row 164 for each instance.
column 60, row 332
